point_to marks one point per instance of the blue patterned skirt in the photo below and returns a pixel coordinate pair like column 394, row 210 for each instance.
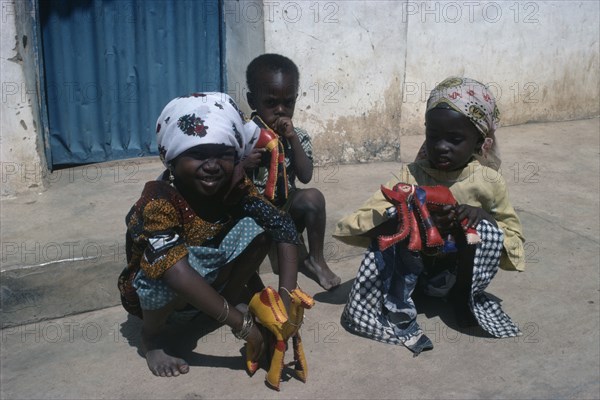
column 154, row 294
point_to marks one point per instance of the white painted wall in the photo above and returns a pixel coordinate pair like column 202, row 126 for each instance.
column 539, row 57
column 383, row 57
column 351, row 56
column 366, row 68
column 244, row 40
column 21, row 165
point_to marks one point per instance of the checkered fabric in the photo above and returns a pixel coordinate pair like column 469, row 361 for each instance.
column 487, row 311
column 363, row 312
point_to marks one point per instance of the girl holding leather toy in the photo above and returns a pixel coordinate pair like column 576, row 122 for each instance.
column 273, row 88
column 403, row 223
column 196, row 237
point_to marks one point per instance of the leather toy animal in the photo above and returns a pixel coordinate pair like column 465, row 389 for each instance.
column 270, row 312
column 413, row 204
column 269, row 140
column 300, row 302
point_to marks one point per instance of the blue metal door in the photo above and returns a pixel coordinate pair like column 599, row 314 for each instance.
column 112, row 65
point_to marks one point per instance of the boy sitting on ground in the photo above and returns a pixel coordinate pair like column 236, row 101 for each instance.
column 273, row 82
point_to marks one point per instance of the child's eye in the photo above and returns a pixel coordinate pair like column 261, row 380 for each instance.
column 205, row 155
column 228, row 155
column 270, row 103
column 196, row 154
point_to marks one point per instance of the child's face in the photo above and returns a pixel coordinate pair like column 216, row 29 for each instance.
column 206, row 169
column 276, row 96
column 451, row 139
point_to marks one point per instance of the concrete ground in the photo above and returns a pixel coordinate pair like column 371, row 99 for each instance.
column 552, row 170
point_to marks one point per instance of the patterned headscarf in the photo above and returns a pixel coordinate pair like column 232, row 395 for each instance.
column 203, row 118
column 470, row 98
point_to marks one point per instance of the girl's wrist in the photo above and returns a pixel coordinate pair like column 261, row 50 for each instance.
column 246, row 328
column 235, row 319
column 491, row 219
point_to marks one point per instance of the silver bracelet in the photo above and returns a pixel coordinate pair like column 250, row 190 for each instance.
column 222, row 318
column 247, row 325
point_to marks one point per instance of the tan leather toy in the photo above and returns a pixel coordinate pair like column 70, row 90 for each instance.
column 269, row 311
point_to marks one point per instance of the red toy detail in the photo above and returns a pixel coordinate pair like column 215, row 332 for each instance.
column 413, row 204
column 269, row 140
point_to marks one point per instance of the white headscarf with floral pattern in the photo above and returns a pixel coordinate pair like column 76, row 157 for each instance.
column 203, row 118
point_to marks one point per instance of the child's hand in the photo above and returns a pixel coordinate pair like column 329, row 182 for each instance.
column 474, row 215
column 445, row 218
column 256, row 341
column 253, row 159
column 284, row 127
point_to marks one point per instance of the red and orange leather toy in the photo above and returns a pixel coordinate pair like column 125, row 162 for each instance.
column 270, row 312
column 413, row 204
column 269, row 140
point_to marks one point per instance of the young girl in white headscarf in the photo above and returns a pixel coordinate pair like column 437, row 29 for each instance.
column 460, row 118
column 196, row 237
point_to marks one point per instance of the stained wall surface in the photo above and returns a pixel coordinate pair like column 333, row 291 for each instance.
column 368, row 66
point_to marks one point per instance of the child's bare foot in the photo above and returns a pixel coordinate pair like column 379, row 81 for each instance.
column 327, row 279
column 159, row 362
column 162, row 364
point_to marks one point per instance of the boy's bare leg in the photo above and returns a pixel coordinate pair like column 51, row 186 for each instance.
column 308, row 211
column 154, row 340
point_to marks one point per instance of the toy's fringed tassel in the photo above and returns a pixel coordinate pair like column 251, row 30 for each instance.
column 473, row 238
